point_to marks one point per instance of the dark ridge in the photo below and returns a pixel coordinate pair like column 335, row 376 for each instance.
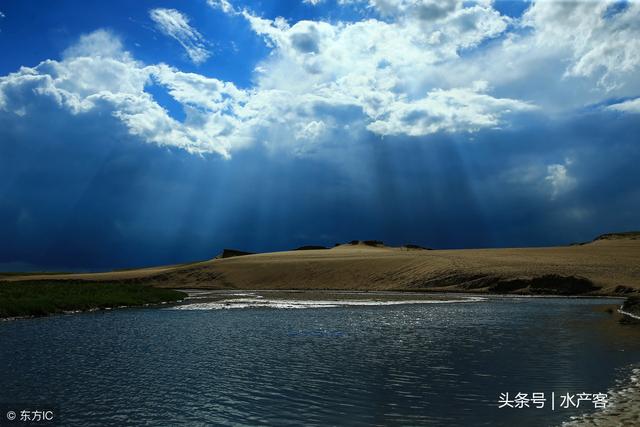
column 367, row 242
column 412, row 246
column 633, row 235
column 310, row 247
column 230, row 253
column 621, row 289
column 548, row 284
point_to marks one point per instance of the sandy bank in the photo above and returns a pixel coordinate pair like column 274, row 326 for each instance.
column 603, row 267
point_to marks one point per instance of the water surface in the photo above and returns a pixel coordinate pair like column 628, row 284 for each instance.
column 417, row 364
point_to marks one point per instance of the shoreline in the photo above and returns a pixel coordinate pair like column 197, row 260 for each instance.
column 409, row 292
column 623, row 407
column 193, row 296
column 626, row 313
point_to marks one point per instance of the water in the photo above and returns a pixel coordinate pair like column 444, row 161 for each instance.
column 419, row 364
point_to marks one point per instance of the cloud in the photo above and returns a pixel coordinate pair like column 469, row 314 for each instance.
column 174, row 24
column 629, row 106
column 100, row 43
column 375, row 66
column 559, row 179
column 310, row 131
column 322, row 82
column 78, row 178
column 436, row 116
column 97, row 75
column 414, row 69
column 428, row 10
column 455, row 110
column 223, row 5
column 602, row 38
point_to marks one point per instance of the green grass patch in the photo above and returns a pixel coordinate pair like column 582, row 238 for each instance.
column 39, row 298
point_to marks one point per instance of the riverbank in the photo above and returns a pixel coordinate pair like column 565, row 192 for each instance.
column 607, row 266
column 35, row 299
column 41, row 298
column 623, row 408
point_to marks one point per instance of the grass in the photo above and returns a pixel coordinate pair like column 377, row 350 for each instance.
column 39, row 298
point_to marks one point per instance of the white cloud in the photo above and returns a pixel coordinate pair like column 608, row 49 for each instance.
column 223, row 5
column 100, row 43
column 427, row 67
column 176, row 25
column 398, row 41
column 462, row 109
column 630, row 106
column 559, row 179
column 428, row 10
column 376, row 66
column 602, row 39
column 196, row 90
column 551, row 59
column 310, row 131
column 97, row 75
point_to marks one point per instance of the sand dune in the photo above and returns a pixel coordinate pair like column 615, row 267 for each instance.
column 608, row 265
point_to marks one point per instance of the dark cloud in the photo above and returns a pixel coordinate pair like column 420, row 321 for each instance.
column 78, row 192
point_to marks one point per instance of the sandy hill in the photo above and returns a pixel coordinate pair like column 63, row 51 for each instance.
column 608, row 265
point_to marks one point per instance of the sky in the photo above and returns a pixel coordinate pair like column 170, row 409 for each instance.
column 136, row 133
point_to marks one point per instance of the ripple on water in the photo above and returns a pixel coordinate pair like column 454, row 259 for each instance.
column 261, row 302
column 383, row 364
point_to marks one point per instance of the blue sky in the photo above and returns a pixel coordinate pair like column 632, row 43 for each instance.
column 148, row 132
